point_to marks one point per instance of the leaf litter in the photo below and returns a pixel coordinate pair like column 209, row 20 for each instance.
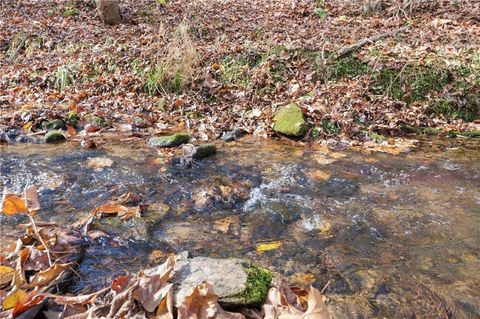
column 44, row 259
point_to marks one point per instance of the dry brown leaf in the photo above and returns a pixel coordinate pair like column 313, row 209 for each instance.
column 19, row 277
column 99, row 163
column 13, row 204
column 45, row 277
column 153, row 284
column 202, row 303
column 31, row 198
column 6, row 274
column 71, row 132
column 319, row 175
column 77, row 300
column 165, row 309
column 110, row 209
column 285, row 303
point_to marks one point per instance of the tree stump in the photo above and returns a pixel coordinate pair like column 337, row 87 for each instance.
column 109, row 11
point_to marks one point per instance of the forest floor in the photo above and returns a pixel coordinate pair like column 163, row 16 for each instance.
column 212, row 66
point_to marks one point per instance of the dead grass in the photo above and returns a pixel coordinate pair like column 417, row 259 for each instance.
column 176, row 65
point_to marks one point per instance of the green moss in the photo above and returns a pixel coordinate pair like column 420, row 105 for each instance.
column 70, row 12
column 289, row 120
column 410, row 84
column 471, row 134
column 331, row 127
column 376, row 137
column 170, row 140
column 204, row 150
column 348, row 67
column 258, row 283
column 234, row 71
column 95, row 119
column 420, row 130
column 54, row 136
column 466, row 107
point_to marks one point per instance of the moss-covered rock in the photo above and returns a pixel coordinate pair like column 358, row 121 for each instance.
column 169, row 140
column 247, row 284
column 54, row 136
column 289, row 120
column 56, row 124
column 204, row 150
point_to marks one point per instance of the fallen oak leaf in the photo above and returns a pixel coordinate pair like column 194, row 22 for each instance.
column 6, row 274
column 19, row 278
column 153, row 284
column 202, row 303
column 77, row 300
column 45, row 277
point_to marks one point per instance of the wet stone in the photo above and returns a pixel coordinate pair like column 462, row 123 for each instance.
column 233, row 135
column 56, row 124
column 54, row 136
column 169, row 140
column 246, row 284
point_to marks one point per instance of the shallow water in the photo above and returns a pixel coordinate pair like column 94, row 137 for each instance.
column 395, row 236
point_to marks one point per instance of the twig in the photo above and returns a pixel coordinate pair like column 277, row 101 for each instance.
column 32, row 221
column 365, row 41
column 325, row 287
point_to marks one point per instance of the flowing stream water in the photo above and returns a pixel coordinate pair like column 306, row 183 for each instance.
column 394, row 236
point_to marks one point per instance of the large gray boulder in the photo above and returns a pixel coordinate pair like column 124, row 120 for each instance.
column 236, row 282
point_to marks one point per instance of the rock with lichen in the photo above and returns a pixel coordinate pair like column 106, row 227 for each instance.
column 290, row 121
column 247, row 284
column 169, row 140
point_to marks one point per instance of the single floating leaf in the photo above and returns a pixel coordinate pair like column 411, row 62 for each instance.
column 268, row 246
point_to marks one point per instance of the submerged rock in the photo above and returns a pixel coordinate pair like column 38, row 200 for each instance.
column 236, row 282
column 233, row 135
column 200, row 151
column 56, row 124
column 289, row 120
column 54, row 136
column 169, row 140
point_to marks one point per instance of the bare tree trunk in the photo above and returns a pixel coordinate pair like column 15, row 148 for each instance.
column 109, row 11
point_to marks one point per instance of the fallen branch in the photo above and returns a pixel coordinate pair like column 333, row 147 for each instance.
column 372, row 39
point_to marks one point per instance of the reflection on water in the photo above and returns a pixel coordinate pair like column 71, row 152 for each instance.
column 395, row 236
